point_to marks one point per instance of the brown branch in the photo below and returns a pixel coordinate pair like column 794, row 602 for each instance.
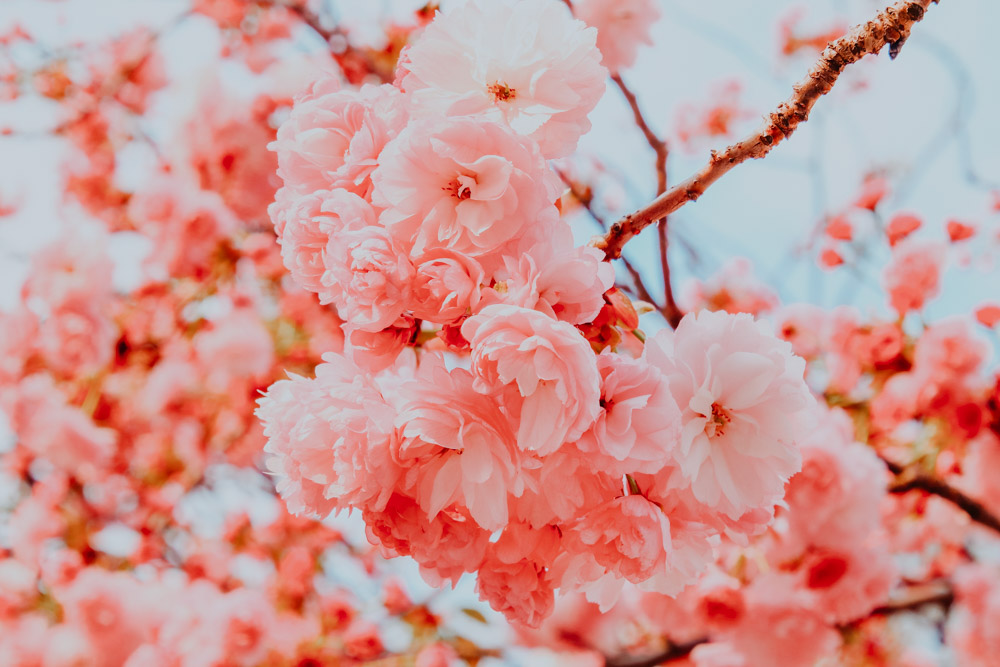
column 916, row 596
column 909, row 480
column 672, row 652
column 891, row 26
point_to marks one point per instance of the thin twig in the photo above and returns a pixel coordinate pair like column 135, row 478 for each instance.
column 891, row 26
column 670, row 310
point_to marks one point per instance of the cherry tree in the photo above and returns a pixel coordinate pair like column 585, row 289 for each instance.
column 325, row 364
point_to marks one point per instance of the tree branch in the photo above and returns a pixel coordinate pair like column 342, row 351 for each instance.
column 672, row 652
column 891, row 26
column 909, row 480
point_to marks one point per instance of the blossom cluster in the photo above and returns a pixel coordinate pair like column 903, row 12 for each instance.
column 477, row 418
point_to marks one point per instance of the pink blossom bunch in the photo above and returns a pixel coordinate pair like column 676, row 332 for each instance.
column 424, row 211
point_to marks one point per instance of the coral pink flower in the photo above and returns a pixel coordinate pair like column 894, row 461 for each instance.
column 447, row 286
column 527, row 62
column 949, row 352
column 913, row 276
column 466, row 184
column 744, row 404
column 306, row 225
column 780, row 626
column 515, row 578
column 369, row 278
column 974, row 624
column 446, row 547
column 455, row 445
column 332, row 138
column 544, row 368
column 60, row 433
column 639, row 424
column 628, row 535
column 328, row 438
column 621, row 27
column 77, row 338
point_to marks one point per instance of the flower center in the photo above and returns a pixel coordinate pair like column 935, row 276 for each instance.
column 501, row 92
column 717, row 421
column 460, row 187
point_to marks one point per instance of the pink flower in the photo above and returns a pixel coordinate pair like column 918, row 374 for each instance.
column 368, row 277
column 515, row 577
column 974, row 625
column 236, row 347
column 639, row 424
column 333, row 138
column 628, row 535
column 60, row 433
column 621, row 27
column 833, row 501
column 743, row 402
column 780, row 626
column 455, row 445
column 328, row 439
column 467, row 184
column 77, row 338
column 913, row 276
column 447, row 286
column 527, row 62
column 544, row 368
column 446, row 547
column 949, row 353
column 361, row 640
column 551, row 276
column 307, row 224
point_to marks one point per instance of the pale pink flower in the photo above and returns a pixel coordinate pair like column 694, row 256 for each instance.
column 333, row 137
column 307, row 224
column 328, row 438
column 734, row 289
column 744, row 404
column 455, row 445
column 368, row 276
column 467, row 184
column 804, row 326
column 913, row 276
column 639, row 424
column 527, row 62
column 544, row 369
column 621, row 27
column 447, row 286
column 237, row 347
